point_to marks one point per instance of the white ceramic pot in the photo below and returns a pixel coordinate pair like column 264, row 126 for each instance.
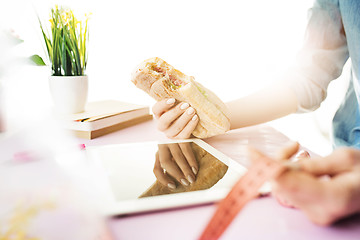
column 69, row 93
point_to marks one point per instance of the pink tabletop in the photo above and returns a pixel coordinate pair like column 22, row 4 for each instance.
column 263, row 218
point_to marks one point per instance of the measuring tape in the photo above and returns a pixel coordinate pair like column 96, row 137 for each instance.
column 246, row 189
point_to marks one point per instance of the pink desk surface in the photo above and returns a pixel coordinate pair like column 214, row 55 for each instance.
column 263, row 218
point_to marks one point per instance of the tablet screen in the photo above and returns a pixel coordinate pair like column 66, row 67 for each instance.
column 150, row 172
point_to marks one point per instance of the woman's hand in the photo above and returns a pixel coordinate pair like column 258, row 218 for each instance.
column 175, row 161
column 176, row 120
column 326, row 189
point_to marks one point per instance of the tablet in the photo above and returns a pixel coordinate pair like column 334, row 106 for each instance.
column 130, row 185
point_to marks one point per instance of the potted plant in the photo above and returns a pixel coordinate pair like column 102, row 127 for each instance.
column 66, row 44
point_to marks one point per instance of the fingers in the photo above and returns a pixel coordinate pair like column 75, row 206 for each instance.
column 307, row 193
column 162, row 106
column 182, row 162
column 288, row 151
column 298, row 186
column 178, row 122
column 187, row 130
column 190, row 157
column 283, row 154
column 167, row 162
column 175, row 120
column 161, row 175
column 302, row 155
column 254, row 155
column 184, row 113
column 345, row 193
column 323, row 202
column 171, row 115
column 341, row 160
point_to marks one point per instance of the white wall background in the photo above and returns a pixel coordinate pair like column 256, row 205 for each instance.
column 233, row 47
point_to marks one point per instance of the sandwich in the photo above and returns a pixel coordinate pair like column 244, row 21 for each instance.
column 161, row 80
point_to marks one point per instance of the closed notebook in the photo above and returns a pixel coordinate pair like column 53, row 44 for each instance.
column 100, row 118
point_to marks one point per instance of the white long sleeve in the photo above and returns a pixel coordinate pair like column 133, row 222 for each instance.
column 321, row 58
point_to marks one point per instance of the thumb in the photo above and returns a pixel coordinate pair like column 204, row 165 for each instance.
column 341, row 160
column 288, row 151
column 254, row 155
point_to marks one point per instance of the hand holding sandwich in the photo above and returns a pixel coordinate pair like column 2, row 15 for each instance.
column 176, row 120
column 164, row 83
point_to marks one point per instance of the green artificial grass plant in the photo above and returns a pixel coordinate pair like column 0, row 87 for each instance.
column 66, row 43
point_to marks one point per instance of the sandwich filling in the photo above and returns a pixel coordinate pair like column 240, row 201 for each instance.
column 171, row 79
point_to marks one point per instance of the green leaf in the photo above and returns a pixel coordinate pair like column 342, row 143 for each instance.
column 37, row 60
column 47, row 42
column 63, row 55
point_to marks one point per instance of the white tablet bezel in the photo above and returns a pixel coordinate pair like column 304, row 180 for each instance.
column 111, row 207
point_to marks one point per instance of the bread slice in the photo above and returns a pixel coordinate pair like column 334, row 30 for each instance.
column 161, row 80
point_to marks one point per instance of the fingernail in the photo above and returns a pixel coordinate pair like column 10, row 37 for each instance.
column 184, row 182
column 184, row 106
column 190, row 111
column 171, row 185
column 302, row 154
column 170, row 101
column 194, row 118
column 190, row 179
column 194, row 170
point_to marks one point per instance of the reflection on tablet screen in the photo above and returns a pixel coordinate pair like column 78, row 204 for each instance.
column 133, row 172
column 173, row 163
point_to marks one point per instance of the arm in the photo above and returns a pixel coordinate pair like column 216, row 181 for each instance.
column 301, row 89
column 268, row 104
